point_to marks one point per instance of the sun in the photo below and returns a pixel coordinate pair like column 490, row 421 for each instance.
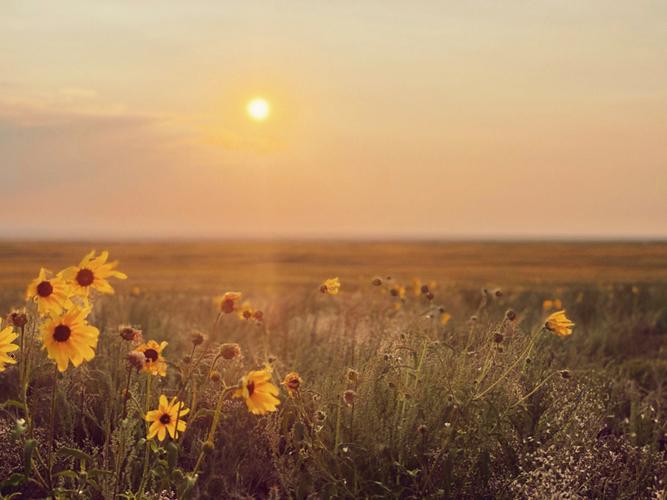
column 258, row 109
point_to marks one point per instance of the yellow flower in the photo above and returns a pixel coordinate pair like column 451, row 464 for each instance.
column 155, row 364
column 417, row 287
column 547, row 305
column 70, row 338
column 246, row 311
column 258, row 391
column 292, row 382
column 92, row 273
column 165, row 417
column 50, row 294
column 398, row 291
column 229, row 300
column 559, row 324
column 444, row 318
column 330, row 286
column 7, row 337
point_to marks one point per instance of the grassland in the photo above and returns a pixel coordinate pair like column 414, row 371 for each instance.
column 462, row 395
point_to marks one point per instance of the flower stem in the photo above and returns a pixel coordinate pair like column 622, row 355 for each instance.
column 525, row 352
column 148, row 443
column 52, row 418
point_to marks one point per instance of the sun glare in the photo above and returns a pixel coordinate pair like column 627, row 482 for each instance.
column 258, row 109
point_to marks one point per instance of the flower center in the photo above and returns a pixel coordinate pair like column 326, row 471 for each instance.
column 228, row 306
column 85, row 277
column 150, row 355
column 251, row 388
column 44, row 289
column 165, row 419
column 61, row 333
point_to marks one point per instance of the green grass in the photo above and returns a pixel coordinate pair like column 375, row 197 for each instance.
column 438, row 411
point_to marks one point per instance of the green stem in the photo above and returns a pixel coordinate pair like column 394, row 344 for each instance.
column 148, row 444
column 535, row 389
column 525, row 352
column 214, row 425
column 52, row 417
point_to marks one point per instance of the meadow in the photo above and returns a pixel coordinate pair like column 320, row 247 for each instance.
column 436, row 370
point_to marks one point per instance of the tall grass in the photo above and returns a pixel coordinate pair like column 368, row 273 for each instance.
column 394, row 402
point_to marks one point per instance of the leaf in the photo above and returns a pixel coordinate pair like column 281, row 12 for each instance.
column 12, row 403
column 67, row 473
column 74, row 453
column 172, row 455
column 28, row 449
column 100, row 472
column 13, row 481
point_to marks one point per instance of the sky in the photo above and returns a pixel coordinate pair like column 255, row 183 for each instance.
column 424, row 119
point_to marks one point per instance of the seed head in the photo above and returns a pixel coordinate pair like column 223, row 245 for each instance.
column 352, row 375
column 196, row 338
column 510, row 314
column 565, row 374
column 498, row 337
column 230, row 351
column 136, row 359
column 377, row 281
column 129, row 333
column 215, row 376
column 349, row 396
column 18, row 318
column 320, row 416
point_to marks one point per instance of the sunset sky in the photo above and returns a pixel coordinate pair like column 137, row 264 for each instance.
column 430, row 119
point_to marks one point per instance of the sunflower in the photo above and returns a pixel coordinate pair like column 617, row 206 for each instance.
column 165, row 417
column 7, row 337
column 228, row 301
column 292, row 382
column 258, row 391
column 330, row 286
column 155, row 364
column 50, row 294
column 92, row 273
column 559, row 324
column 69, row 337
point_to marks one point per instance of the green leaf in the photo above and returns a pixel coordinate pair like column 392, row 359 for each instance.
column 172, row 455
column 74, row 453
column 12, row 403
column 67, row 473
column 100, row 472
column 13, row 481
column 28, row 449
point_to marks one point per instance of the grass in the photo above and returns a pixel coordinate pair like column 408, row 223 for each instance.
column 394, row 403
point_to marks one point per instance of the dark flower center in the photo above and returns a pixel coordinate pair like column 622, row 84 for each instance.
column 61, row 333
column 85, row 277
column 228, row 306
column 150, row 355
column 44, row 289
column 165, row 419
column 251, row 387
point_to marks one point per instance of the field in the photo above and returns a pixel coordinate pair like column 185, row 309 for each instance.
column 431, row 374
